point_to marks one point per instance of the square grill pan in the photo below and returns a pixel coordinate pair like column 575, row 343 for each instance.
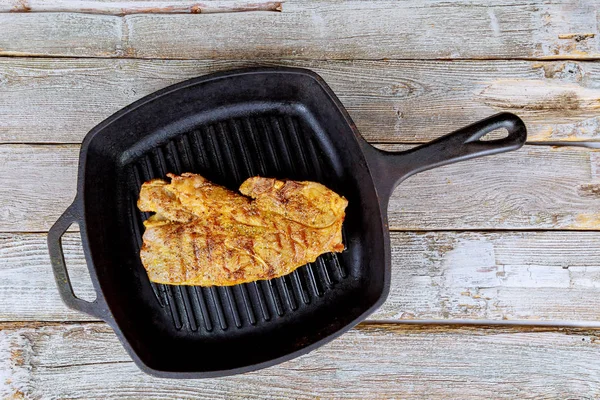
column 275, row 122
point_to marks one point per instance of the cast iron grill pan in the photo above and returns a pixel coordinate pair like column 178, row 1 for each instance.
column 275, row 122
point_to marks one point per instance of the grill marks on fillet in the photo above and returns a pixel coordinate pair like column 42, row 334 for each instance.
column 232, row 239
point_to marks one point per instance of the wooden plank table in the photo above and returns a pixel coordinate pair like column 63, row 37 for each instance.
column 512, row 239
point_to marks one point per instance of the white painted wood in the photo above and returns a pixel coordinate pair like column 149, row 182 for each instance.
column 323, row 29
column 534, row 276
column 136, row 7
column 60, row 100
column 537, row 187
column 371, row 362
column 529, row 276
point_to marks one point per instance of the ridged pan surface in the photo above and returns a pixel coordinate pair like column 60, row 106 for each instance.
column 273, row 123
column 229, row 152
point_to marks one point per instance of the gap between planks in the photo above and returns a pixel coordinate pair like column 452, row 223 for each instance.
column 25, row 56
column 412, row 326
column 573, row 143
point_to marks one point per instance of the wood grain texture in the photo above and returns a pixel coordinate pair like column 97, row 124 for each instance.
column 324, row 29
column 534, row 188
column 52, row 179
column 370, row 362
column 538, row 187
column 136, row 7
column 534, row 276
column 528, row 276
column 60, row 100
column 64, row 34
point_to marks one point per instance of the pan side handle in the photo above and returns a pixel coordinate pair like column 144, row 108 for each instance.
column 96, row 308
column 391, row 168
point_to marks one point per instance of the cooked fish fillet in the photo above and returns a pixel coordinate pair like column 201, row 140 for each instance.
column 204, row 234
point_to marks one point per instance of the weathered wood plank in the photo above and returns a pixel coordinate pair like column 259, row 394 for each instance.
column 136, row 7
column 33, row 198
column 60, row 100
column 533, row 276
column 324, row 29
column 28, row 291
column 538, row 187
column 61, row 34
column 534, row 188
column 381, row 361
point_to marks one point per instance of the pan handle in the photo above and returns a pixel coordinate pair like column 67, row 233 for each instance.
column 96, row 308
column 391, row 168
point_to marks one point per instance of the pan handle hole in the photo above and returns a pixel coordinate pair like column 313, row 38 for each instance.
column 76, row 265
column 496, row 134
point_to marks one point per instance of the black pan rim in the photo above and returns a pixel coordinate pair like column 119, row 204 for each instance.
column 79, row 204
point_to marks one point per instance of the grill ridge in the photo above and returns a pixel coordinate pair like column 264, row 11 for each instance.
column 267, row 287
column 199, row 147
column 148, row 173
column 191, row 312
column 282, row 282
column 266, row 145
column 173, row 307
column 283, row 289
column 228, row 150
column 203, row 309
column 136, row 224
column 330, row 260
column 300, row 291
column 181, row 292
column 174, row 294
column 225, row 292
column 220, row 152
column 241, row 154
column 309, row 169
column 280, row 292
column 217, row 308
column 292, row 135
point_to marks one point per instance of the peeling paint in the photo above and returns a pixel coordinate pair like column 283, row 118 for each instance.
column 577, row 36
column 588, row 128
column 15, row 369
column 565, row 71
column 589, row 190
column 587, row 221
column 535, row 95
column 494, row 23
column 595, row 165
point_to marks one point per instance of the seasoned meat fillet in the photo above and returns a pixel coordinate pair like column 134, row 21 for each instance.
column 204, row 234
